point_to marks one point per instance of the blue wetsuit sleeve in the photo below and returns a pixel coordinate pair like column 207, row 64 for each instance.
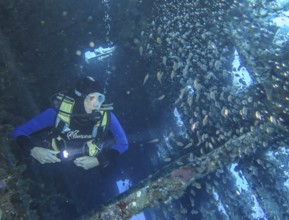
column 121, row 143
column 22, row 133
column 41, row 121
column 118, row 134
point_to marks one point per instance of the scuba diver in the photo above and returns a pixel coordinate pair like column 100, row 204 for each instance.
column 79, row 121
column 83, row 134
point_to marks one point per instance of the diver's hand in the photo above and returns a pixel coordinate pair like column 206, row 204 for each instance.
column 43, row 155
column 86, row 162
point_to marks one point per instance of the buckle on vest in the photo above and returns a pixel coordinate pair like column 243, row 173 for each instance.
column 93, row 149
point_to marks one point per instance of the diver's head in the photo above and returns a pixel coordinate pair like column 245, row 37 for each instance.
column 92, row 92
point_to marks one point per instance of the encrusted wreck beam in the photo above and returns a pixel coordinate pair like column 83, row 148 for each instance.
column 14, row 200
column 172, row 180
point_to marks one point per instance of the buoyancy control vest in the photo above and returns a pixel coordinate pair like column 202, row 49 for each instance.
column 63, row 137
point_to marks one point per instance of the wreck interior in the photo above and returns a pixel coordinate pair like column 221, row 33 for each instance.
column 200, row 87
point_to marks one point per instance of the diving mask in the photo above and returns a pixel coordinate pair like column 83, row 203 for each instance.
column 94, row 101
column 100, row 98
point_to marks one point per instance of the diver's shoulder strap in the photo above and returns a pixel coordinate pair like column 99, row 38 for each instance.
column 65, row 108
column 102, row 125
column 64, row 105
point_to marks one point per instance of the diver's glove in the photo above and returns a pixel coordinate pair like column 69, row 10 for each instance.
column 86, row 162
column 102, row 160
column 25, row 144
column 107, row 156
column 43, row 155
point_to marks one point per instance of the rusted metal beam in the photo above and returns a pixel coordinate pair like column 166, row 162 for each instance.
column 171, row 182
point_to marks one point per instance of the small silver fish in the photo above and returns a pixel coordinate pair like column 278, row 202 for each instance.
column 258, row 115
column 205, row 120
column 159, row 76
column 141, row 50
column 161, row 97
column 168, row 159
column 165, row 60
column 146, row 78
column 188, row 145
column 180, row 144
column 194, row 126
column 153, row 141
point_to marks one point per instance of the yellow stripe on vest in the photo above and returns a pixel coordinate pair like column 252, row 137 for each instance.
column 66, row 108
column 104, row 120
column 54, row 145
